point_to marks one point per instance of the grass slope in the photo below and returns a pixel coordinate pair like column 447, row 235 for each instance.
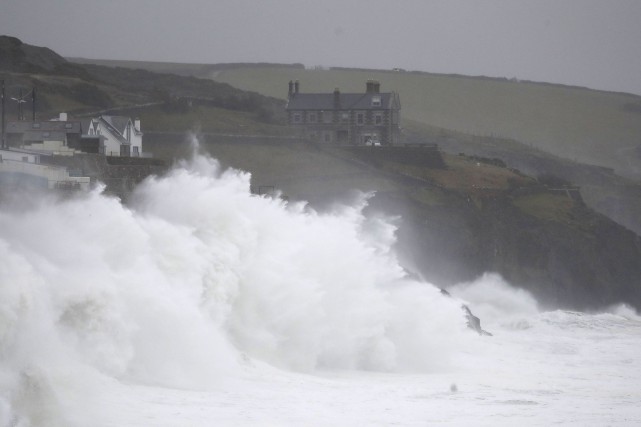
column 594, row 127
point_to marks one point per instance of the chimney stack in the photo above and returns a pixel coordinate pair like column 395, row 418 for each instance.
column 290, row 92
column 337, row 99
column 137, row 124
column 296, row 87
column 62, row 117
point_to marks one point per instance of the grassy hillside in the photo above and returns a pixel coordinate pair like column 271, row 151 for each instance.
column 165, row 102
column 583, row 125
column 594, row 127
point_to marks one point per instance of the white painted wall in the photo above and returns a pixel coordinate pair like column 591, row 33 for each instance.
column 16, row 156
column 112, row 142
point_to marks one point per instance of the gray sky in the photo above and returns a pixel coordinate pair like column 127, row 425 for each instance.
column 594, row 43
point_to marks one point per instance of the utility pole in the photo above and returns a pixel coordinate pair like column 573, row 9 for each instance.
column 20, row 101
column 33, row 104
column 3, row 143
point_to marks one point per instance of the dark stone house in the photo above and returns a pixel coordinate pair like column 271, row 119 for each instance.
column 372, row 117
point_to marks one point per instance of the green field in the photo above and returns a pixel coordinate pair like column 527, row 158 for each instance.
column 593, row 127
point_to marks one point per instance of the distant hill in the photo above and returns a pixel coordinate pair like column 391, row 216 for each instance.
column 87, row 89
column 19, row 57
column 589, row 126
column 580, row 124
column 181, row 69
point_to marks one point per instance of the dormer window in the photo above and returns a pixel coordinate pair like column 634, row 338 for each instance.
column 376, row 101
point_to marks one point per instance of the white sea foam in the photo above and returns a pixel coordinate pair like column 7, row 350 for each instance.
column 197, row 272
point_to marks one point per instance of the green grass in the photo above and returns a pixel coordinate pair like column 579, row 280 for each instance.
column 547, row 206
column 580, row 124
column 207, row 119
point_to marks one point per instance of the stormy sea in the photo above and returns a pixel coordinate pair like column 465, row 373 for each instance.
column 200, row 304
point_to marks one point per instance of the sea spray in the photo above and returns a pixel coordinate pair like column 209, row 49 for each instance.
column 172, row 289
column 495, row 301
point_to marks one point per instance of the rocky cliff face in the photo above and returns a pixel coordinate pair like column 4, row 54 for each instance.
column 587, row 263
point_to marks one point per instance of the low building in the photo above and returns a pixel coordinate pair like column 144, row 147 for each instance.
column 369, row 118
column 23, row 168
column 59, row 136
column 120, row 136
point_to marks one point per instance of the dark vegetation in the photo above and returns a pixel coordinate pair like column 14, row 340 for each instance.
column 85, row 89
column 177, row 91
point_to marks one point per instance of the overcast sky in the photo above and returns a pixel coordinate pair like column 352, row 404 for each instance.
column 594, row 43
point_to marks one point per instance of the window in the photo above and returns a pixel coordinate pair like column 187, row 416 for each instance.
column 68, row 126
column 327, row 116
column 25, row 159
column 136, row 152
column 297, row 118
column 327, row 137
column 378, row 119
column 344, row 117
column 312, row 117
column 376, row 101
column 36, row 125
column 360, row 118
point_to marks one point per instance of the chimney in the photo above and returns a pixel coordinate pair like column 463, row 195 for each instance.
column 137, row 124
column 372, row 86
column 290, row 92
column 62, row 117
column 337, row 99
column 296, row 87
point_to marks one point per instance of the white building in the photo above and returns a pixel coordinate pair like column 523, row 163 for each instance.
column 120, row 135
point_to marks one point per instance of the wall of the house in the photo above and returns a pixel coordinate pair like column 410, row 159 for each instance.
column 338, row 129
column 111, row 143
column 18, row 168
column 135, row 140
column 54, row 146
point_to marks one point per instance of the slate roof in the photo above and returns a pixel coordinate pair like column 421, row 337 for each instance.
column 348, row 101
column 119, row 123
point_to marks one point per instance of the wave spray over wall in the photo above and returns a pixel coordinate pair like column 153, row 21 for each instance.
column 190, row 281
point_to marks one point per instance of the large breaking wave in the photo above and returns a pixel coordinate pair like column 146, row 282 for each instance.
column 195, row 276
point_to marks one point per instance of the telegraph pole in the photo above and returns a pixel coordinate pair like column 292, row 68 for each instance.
column 20, row 101
column 33, row 104
column 3, row 143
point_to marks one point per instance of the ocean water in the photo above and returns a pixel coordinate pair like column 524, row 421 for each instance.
column 200, row 304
